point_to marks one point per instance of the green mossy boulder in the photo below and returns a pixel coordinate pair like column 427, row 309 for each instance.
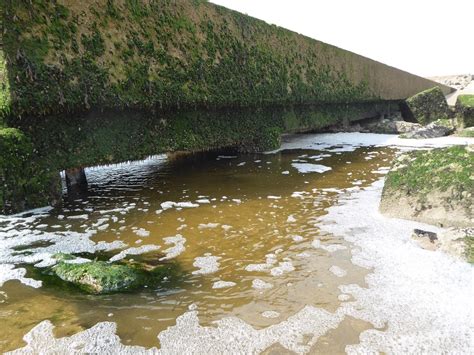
column 427, row 106
column 465, row 110
column 434, row 187
column 100, row 277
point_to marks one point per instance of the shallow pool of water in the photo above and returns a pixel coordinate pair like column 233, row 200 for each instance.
column 244, row 230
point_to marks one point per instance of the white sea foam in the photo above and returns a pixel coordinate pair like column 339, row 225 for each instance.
column 329, row 140
column 423, row 299
column 142, row 233
column 208, row 225
column 223, row 284
column 305, row 168
column 336, row 270
column 331, row 248
column 282, row 268
column 9, row 272
column 178, row 205
column 261, row 285
column 178, row 247
column 206, row 264
column 134, row 251
column 297, row 238
column 270, row 314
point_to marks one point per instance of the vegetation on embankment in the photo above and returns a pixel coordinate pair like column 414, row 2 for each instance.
column 432, row 186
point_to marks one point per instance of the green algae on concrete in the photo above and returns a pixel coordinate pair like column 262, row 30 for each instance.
column 5, row 98
column 465, row 110
column 432, row 186
column 24, row 182
column 428, row 106
column 68, row 57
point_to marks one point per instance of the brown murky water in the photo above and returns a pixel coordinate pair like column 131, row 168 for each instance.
column 253, row 211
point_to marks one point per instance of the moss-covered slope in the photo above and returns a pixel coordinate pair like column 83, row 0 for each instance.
column 71, row 56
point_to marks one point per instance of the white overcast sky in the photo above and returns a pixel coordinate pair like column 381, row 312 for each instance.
column 424, row 37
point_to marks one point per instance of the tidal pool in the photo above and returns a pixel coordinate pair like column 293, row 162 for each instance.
column 252, row 238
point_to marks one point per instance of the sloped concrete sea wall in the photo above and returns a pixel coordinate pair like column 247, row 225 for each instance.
column 103, row 81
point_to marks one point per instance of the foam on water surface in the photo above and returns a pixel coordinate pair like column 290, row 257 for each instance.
column 422, row 298
column 206, row 264
column 305, row 168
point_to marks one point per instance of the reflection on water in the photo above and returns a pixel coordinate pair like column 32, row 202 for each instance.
column 246, row 241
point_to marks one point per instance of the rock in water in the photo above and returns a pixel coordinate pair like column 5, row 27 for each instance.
column 426, row 106
column 98, row 277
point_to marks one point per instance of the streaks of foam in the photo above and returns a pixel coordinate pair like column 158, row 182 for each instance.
column 282, row 268
column 223, row 284
column 305, row 168
column 331, row 248
column 134, row 251
column 99, row 339
column 328, row 141
column 208, row 225
column 206, row 264
column 336, row 270
column 270, row 314
column 170, row 204
column 58, row 242
column 8, row 272
column 142, row 233
column 228, row 335
column 261, row 285
column 178, row 247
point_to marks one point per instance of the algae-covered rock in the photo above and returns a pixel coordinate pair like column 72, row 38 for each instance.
column 438, row 128
column 434, row 187
column 465, row 110
column 427, row 106
column 100, row 277
column 386, row 126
